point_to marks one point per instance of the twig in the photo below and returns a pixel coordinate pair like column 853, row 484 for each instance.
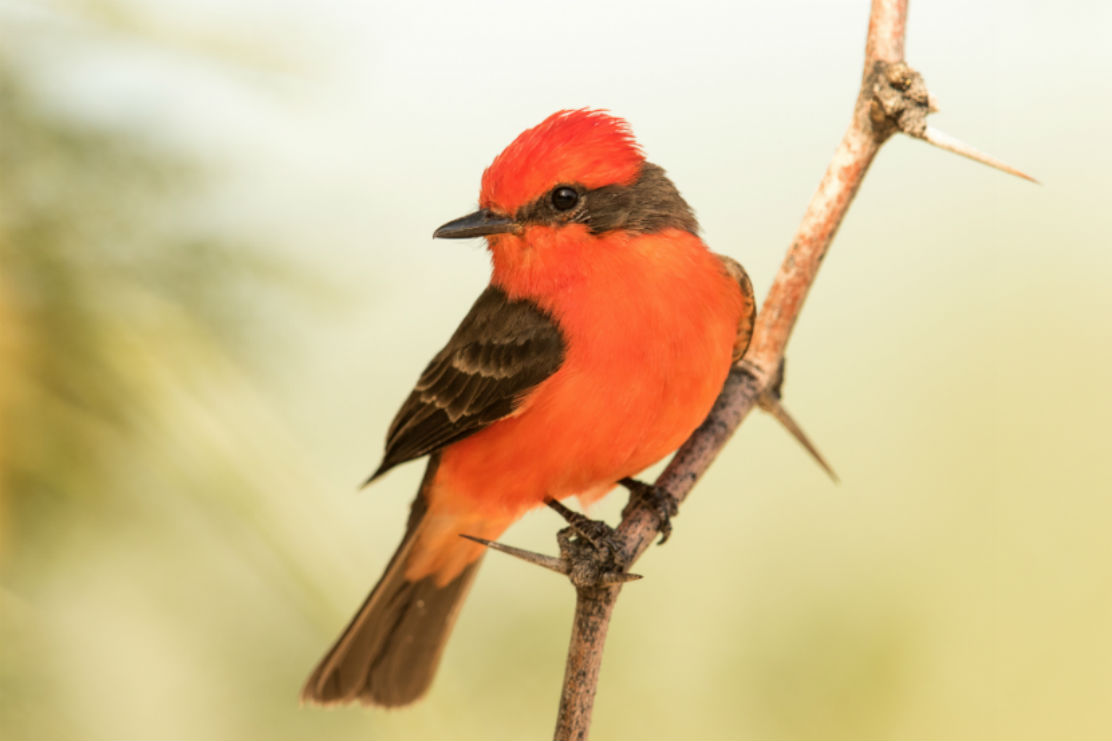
column 593, row 608
column 745, row 385
column 893, row 98
column 747, row 382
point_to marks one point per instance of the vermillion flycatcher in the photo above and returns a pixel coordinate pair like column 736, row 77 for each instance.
column 606, row 333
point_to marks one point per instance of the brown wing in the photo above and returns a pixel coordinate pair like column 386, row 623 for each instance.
column 501, row 350
column 749, row 309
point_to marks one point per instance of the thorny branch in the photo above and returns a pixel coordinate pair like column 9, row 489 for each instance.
column 893, row 98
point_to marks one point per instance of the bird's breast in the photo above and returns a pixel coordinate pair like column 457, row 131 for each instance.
column 649, row 324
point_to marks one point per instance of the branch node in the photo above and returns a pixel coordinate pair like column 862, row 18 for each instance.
column 899, row 100
column 590, row 568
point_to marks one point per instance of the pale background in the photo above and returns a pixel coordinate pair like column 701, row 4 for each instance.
column 199, row 363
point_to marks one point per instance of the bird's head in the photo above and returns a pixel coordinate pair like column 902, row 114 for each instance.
column 578, row 172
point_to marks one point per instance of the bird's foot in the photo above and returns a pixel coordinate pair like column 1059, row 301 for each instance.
column 591, row 549
column 596, row 532
column 662, row 503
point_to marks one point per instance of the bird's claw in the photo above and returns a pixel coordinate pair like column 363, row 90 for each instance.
column 663, row 504
column 591, row 548
column 596, row 532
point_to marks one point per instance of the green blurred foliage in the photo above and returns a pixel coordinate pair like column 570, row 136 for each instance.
column 88, row 257
column 124, row 326
column 86, row 271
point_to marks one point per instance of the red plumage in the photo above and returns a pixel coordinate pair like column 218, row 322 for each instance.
column 587, row 147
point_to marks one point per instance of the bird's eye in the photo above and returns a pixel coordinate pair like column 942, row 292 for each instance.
column 564, row 198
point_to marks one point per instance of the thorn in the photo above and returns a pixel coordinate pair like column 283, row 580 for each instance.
column 551, row 563
column 944, row 141
column 770, row 402
column 772, row 405
column 618, row 577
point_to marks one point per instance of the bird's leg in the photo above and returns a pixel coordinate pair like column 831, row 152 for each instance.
column 596, row 532
column 662, row 503
column 591, row 551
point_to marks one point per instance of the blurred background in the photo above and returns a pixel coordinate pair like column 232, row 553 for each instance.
column 217, row 284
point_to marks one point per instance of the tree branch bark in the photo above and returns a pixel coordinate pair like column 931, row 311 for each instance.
column 892, row 98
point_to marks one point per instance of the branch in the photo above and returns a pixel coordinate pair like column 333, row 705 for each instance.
column 892, row 98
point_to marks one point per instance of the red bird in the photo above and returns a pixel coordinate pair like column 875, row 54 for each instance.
column 606, row 333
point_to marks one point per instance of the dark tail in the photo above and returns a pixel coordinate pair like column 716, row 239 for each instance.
column 389, row 652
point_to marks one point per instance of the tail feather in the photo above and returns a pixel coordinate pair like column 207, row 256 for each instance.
column 389, row 652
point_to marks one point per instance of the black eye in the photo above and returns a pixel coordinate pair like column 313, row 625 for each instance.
column 564, row 198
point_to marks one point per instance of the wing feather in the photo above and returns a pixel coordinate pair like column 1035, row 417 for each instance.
column 501, row 351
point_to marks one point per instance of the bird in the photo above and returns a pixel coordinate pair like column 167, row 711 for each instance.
column 601, row 342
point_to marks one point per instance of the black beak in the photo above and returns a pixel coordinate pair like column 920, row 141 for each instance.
column 478, row 224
